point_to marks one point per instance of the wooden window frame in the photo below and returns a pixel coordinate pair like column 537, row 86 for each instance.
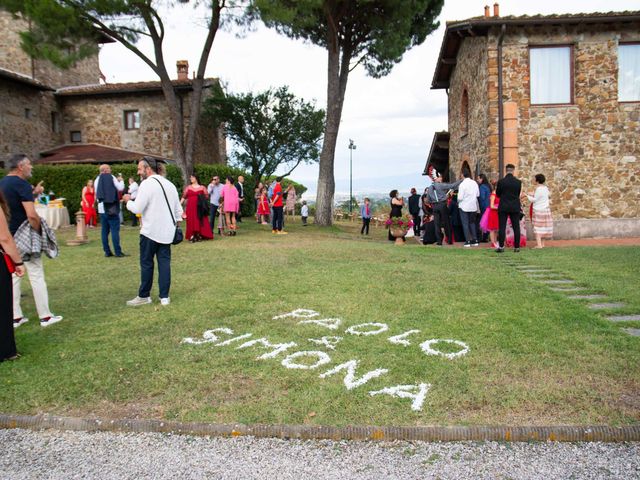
column 572, row 68
column 71, row 133
column 132, row 126
column 625, row 102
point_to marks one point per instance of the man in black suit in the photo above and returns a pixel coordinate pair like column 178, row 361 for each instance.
column 508, row 190
column 240, row 187
column 414, row 211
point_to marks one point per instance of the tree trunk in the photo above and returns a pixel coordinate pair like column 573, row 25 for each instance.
column 338, row 74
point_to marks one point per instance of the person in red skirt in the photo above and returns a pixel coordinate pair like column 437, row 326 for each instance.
column 197, row 199
column 263, row 207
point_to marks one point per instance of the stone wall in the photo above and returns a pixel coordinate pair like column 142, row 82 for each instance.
column 470, row 74
column 84, row 72
column 18, row 133
column 12, row 57
column 590, row 150
column 100, row 119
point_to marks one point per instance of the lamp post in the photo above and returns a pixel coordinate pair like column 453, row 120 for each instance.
column 352, row 147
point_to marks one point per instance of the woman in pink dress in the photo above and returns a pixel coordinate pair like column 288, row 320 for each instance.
column 88, row 201
column 197, row 198
column 231, row 204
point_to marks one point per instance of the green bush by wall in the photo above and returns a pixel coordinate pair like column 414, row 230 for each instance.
column 67, row 181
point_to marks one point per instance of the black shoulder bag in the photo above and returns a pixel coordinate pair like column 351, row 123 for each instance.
column 178, row 236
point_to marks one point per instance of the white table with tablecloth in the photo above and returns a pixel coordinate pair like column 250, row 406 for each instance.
column 55, row 216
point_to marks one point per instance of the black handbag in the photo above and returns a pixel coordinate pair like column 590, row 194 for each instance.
column 178, row 236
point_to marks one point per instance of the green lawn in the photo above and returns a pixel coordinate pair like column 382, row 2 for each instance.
column 535, row 357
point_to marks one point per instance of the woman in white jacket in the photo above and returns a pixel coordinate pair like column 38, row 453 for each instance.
column 542, row 219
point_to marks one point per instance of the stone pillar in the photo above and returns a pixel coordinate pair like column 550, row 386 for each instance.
column 81, row 230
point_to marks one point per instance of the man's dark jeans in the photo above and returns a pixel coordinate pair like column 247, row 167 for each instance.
column 212, row 216
column 277, row 218
column 441, row 219
column 365, row 226
column 110, row 224
column 469, row 226
column 149, row 249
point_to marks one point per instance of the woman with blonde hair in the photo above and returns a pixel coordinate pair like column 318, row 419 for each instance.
column 11, row 262
column 88, row 204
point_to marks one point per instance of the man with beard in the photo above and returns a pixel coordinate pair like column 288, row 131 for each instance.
column 159, row 204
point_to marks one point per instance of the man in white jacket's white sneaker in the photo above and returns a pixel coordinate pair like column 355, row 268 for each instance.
column 468, row 194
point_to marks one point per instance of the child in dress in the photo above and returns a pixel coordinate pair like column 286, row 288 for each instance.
column 263, row 207
column 304, row 213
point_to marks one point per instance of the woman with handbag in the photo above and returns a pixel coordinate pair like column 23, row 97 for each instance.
column 11, row 262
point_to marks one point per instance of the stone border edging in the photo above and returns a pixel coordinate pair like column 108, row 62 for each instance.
column 311, row 432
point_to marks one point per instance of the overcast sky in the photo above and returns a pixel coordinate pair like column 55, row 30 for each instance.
column 391, row 120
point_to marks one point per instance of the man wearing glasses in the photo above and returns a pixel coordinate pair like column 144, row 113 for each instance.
column 214, row 190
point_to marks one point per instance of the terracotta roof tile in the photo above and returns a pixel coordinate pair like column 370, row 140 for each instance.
column 132, row 87
column 91, row 153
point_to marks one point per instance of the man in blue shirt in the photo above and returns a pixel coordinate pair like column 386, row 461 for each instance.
column 19, row 195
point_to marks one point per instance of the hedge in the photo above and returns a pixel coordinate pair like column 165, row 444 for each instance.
column 67, row 181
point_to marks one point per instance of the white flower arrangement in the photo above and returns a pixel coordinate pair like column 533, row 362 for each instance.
column 328, row 342
column 355, row 329
column 427, row 348
column 322, row 357
column 299, row 313
column 407, row 391
column 400, row 339
column 330, row 323
column 350, row 378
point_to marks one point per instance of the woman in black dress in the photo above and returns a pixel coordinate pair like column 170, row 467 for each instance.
column 397, row 202
column 7, row 248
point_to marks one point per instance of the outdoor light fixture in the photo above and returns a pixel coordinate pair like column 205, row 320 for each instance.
column 352, row 147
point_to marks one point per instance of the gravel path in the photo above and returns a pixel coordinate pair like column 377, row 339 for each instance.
column 70, row 455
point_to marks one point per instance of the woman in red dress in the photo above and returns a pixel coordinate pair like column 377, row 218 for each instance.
column 197, row 198
column 88, row 202
column 263, row 206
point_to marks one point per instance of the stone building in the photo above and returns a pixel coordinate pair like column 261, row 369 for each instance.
column 43, row 108
column 558, row 95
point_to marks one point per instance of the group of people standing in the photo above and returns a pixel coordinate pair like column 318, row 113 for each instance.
column 482, row 209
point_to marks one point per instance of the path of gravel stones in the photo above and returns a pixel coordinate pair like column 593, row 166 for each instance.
column 73, row 455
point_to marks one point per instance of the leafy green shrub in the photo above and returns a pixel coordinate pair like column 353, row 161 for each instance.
column 67, row 181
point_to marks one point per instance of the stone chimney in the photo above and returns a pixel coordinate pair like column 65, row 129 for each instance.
column 496, row 9
column 183, row 69
column 487, row 14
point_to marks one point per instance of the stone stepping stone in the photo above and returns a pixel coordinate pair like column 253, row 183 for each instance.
column 587, row 297
column 623, row 318
column 632, row 331
column 537, row 270
column 558, row 282
column 569, row 289
column 542, row 275
column 603, row 306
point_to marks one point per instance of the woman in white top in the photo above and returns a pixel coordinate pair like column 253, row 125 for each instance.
column 542, row 219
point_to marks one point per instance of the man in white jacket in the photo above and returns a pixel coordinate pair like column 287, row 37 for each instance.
column 159, row 204
column 468, row 194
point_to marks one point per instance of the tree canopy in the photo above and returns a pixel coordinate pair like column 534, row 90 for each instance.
column 270, row 129
column 373, row 33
